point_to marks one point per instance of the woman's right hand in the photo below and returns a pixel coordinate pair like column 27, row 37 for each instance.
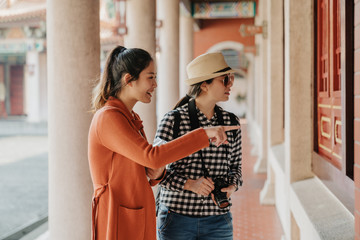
column 217, row 134
column 202, row 186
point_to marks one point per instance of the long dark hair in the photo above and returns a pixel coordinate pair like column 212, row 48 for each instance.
column 120, row 61
column 193, row 92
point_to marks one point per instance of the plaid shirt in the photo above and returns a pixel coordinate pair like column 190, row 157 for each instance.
column 224, row 160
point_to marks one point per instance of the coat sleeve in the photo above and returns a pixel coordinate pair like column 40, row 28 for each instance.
column 115, row 133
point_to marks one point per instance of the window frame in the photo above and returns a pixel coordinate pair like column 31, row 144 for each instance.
column 339, row 181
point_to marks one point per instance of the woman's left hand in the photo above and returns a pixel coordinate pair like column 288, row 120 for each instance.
column 229, row 190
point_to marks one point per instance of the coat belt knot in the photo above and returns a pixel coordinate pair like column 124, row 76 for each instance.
column 99, row 189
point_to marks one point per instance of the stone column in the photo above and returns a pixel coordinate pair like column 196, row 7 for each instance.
column 299, row 77
column 254, row 130
column 261, row 163
column 168, row 65
column 140, row 21
column 250, row 88
column 257, row 86
column 186, row 47
column 2, row 92
column 43, row 86
column 252, row 97
column 275, row 101
column 32, row 86
column 275, row 74
column 36, row 86
column 73, row 46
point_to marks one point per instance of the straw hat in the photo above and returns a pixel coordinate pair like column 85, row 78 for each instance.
column 205, row 67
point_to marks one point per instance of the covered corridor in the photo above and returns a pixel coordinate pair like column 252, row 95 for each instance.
column 302, row 151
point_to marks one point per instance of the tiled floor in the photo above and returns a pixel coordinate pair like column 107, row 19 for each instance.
column 251, row 220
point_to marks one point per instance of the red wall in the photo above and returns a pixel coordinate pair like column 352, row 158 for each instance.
column 357, row 118
column 214, row 31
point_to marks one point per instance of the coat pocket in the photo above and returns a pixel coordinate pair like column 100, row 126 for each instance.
column 131, row 223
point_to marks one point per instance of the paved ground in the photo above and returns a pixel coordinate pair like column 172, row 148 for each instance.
column 17, row 148
column 251, row 220
column 23, row 184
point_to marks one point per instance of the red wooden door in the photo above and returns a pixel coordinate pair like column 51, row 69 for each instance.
column 329, row 81
column 17, row 90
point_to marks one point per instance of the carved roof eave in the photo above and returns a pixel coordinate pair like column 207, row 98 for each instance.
column 34, row 17
column 30, row 18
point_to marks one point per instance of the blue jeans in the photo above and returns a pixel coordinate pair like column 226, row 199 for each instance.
column 173, row 226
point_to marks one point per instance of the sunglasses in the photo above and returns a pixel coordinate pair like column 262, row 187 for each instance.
column 229, row 78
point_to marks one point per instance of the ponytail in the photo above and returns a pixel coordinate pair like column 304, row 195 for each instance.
column 101, row 92
column 194, row 91
column 183, row 101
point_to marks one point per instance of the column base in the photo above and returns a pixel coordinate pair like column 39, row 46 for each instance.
column 267, row 194
column 254, row 151
column 260, row 165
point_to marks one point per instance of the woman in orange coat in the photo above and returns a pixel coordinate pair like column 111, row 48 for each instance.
column 121, row 160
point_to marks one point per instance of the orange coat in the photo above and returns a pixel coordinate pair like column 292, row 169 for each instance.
column 123, row 201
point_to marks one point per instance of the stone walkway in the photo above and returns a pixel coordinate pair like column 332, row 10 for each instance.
column 251, row 220
column 23, row 184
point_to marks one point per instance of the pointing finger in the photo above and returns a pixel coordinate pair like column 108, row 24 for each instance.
column 229, row 128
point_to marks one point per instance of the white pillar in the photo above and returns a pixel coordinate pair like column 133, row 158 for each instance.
column 252, row 97
column 299, row 77
column 255, row 133
column 275, row 86
column 73, row 43
column 186, row 47
column 168, row 75
column 140, row 21
column 261, row 163
column 250, row 89
column 32, row 86
column 43, row 86
column 275, row 73
column 36, row 86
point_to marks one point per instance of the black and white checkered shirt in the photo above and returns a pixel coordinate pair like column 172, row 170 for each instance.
column 224, row 160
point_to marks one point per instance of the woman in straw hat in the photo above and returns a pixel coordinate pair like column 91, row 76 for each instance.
column 120, row 157
column 189, row 203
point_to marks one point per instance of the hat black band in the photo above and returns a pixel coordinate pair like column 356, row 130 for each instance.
column 223, row 70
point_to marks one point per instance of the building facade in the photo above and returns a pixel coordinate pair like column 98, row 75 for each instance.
column 23, row 60
column 23, row 57
column 306, row 114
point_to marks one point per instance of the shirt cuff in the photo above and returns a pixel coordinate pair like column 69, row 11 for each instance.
column 234, row 181
column 153, row 182
column 177, row 183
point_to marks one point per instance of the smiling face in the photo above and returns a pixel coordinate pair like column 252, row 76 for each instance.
column 144, row 86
